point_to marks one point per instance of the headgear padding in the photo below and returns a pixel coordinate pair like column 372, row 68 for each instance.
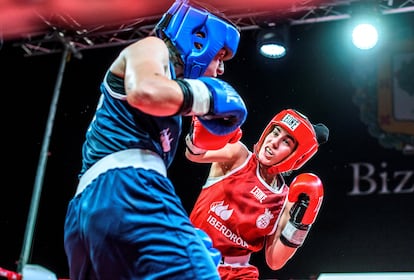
column 198, row 36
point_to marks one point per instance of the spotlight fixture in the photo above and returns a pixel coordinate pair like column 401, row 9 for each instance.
column 364, row 36
column 365, row 24
column 272, row 42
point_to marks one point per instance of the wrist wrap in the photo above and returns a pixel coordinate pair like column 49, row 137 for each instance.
column 294, row 235
column 188, row 98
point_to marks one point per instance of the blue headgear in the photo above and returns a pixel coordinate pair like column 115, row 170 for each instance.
column 198, row 36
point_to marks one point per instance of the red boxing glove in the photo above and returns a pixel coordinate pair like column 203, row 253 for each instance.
column 199, row 140
column 306, row 191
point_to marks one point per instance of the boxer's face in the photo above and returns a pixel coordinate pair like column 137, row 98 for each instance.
column 216, row 66
column 277, row 145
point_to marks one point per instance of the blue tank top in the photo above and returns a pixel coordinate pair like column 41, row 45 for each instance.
column 117, row 126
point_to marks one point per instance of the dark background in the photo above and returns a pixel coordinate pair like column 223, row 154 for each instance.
column 320, row 77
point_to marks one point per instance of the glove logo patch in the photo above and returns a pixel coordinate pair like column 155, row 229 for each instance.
column 290, row 121
column 263, row 220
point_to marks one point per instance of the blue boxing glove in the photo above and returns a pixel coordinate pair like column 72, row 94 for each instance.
column 217, row 104
column 214, row 253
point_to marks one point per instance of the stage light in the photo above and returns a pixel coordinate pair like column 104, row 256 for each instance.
column 365, row 36
column 273, row 42
column 365, row 25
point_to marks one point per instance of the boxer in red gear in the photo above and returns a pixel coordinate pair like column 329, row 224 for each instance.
column 245, row 205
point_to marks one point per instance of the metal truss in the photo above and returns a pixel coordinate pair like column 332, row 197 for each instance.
column 63, row 31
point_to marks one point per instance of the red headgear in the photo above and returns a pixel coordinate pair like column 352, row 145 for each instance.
column 298, row 126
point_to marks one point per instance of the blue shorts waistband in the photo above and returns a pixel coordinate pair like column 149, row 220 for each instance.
column 138, row 158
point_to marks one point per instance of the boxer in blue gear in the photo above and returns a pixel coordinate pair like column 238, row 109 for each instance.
column 198, row 36
column 125, row 220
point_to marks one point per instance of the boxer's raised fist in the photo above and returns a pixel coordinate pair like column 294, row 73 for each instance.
column 306, row 192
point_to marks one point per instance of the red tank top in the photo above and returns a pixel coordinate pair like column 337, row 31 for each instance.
column 239, row 209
